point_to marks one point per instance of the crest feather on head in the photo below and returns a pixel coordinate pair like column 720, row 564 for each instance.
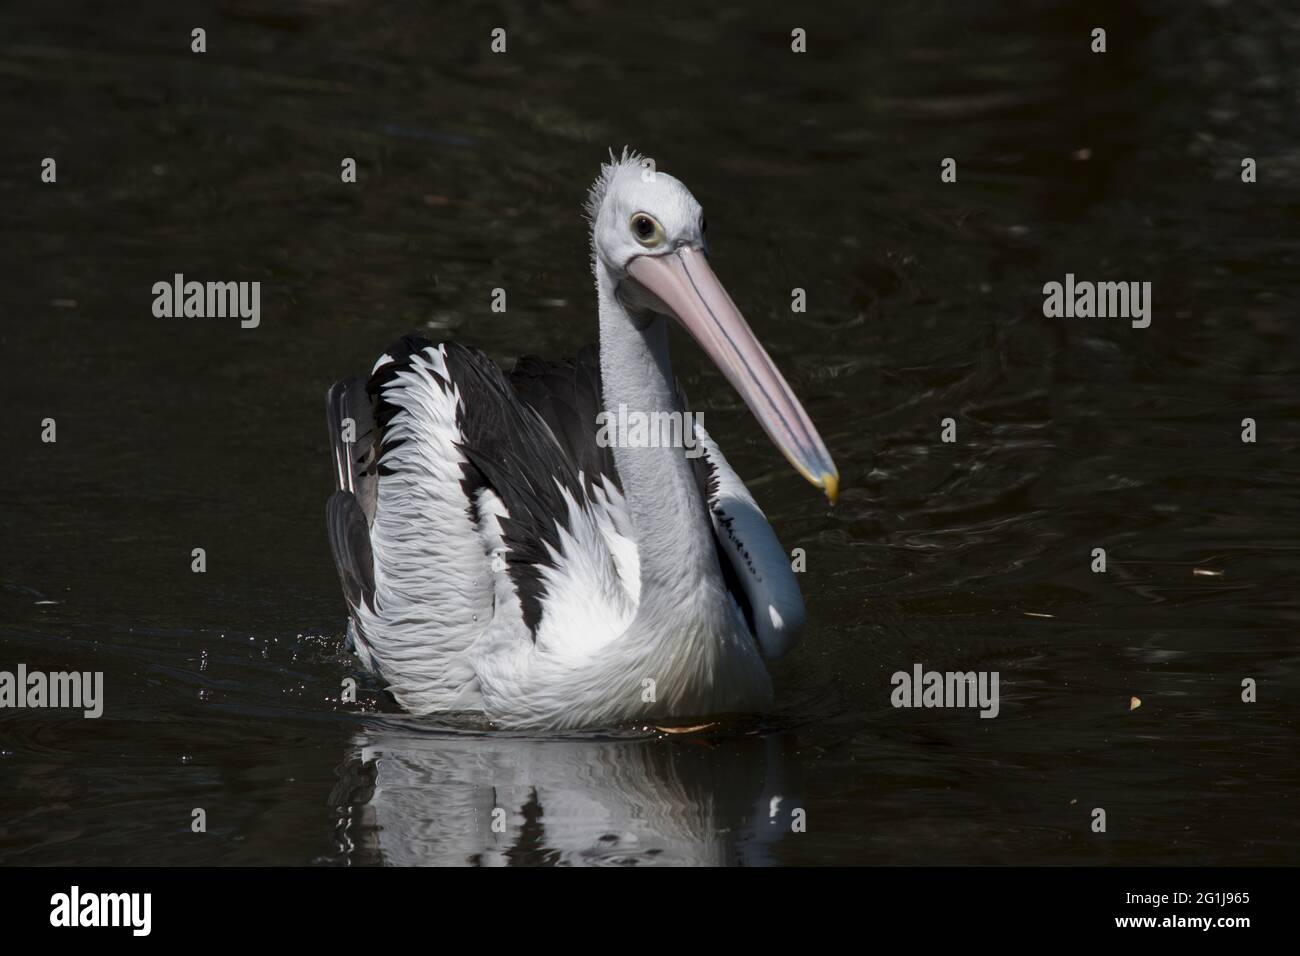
column 596, row 195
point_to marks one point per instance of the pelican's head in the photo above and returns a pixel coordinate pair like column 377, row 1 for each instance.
column 647, row 233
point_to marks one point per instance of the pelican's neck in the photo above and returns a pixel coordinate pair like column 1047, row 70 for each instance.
column 674, row 535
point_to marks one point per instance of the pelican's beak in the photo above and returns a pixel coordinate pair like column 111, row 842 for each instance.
column 683, row 281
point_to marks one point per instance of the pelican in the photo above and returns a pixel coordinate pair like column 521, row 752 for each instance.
column 501, row 554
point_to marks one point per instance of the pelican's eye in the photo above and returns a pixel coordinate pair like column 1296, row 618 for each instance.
column 648, row 232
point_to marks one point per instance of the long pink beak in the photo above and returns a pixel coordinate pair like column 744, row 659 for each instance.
column 684, row 282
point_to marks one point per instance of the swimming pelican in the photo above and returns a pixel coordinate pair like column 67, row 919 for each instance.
column 504, row 551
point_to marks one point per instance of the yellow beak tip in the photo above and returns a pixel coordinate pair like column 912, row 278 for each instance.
column 831, row 485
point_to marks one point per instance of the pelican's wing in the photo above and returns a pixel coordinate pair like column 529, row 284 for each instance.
column 404, row 529
column 459, row 516
column 756, row 567
column 558, row 514
column 567, row 396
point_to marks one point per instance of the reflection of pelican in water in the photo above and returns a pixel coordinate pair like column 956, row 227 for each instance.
column 411, row 797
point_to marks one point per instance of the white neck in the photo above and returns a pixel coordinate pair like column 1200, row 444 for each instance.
column 674, row 536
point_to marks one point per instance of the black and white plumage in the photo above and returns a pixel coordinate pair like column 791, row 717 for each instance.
column 499, row 554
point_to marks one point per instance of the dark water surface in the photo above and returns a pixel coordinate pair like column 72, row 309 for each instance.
column 818, row 171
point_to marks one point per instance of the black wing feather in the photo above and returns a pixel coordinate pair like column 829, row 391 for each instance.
column 567, row 395
column 351, row 509
column 350, row 541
